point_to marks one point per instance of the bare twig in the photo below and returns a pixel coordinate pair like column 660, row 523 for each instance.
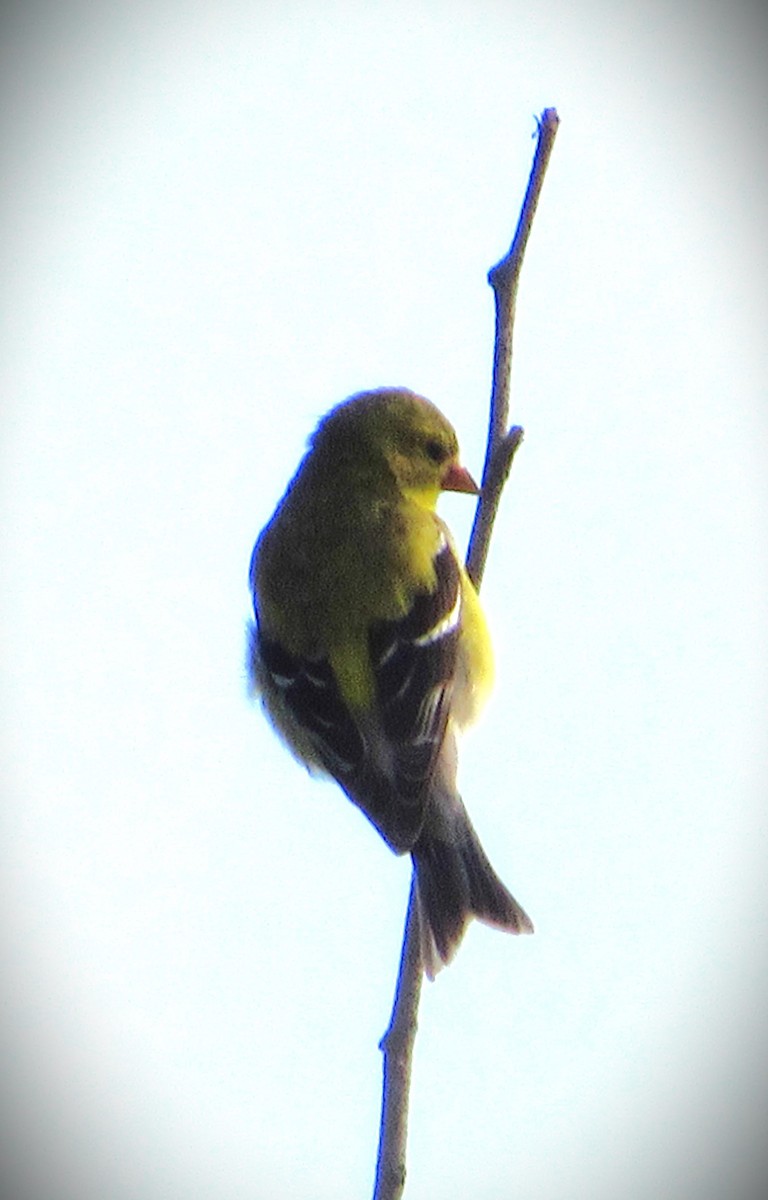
column 398, row 1042
column 397, row 1047
column 504, row 278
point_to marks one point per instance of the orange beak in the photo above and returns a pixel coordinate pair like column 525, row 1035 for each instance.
column 458, row 479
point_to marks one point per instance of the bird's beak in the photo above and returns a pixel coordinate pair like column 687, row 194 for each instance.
column 458, row 479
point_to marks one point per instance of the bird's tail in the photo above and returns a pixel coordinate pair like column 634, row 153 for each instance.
column 455, row 882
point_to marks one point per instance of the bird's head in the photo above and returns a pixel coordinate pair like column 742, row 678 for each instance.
column 396, row 430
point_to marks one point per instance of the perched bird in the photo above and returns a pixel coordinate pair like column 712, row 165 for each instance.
column 370, row 649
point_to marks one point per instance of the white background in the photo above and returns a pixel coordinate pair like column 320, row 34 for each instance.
column 218, row 220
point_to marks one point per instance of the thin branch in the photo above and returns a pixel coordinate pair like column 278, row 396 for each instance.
column 397, row 1047
column 398, row 1042
column 504, row 278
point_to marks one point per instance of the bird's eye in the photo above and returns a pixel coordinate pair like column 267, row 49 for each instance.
column 436, row 451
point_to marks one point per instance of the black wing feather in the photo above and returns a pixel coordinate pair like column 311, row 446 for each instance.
column 310, row 690
column 413, row 660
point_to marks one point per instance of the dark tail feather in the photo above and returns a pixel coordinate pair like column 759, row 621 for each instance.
column 455, row 882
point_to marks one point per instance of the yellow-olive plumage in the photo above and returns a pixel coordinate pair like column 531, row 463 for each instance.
column 370, row 648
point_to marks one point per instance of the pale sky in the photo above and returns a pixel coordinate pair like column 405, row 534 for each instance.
column 219, row 219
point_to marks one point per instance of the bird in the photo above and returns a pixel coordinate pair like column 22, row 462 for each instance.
column 369, row 649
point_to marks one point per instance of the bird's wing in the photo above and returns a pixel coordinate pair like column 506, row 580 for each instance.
column 385, row 759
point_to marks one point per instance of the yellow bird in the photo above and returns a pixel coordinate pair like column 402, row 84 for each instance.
column 370, row 649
